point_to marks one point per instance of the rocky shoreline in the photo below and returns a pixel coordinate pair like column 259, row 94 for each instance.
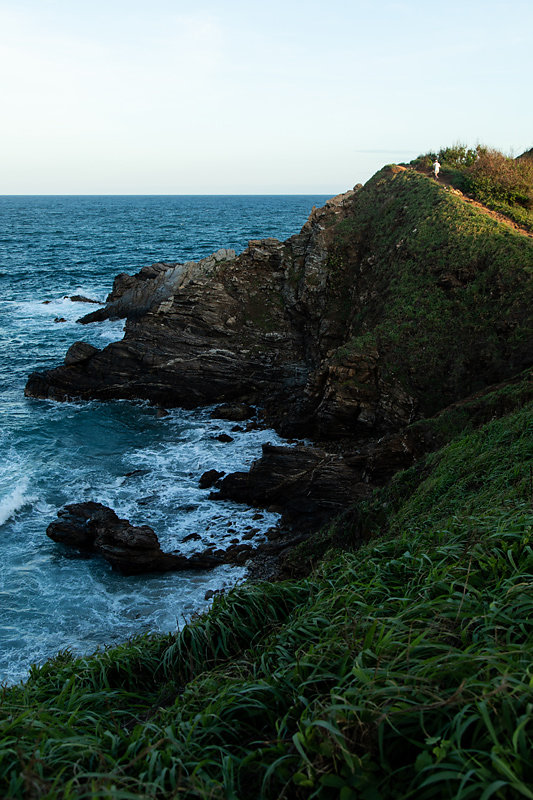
column 319, row 332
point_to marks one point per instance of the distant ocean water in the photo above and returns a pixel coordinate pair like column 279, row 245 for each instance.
column 54, row 453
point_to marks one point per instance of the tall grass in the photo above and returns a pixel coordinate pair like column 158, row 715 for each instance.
column 402, row 670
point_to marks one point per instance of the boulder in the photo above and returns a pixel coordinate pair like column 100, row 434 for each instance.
column 209, row 478
column 79, row 352
column 79, row 298
column 234, row 412
column 131, row 550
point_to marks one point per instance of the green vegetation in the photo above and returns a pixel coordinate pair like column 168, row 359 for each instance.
column 473, row 412
column 442, row 288
column 502, row 183
column 400, row 670
column 368, row 519
column 400, row 667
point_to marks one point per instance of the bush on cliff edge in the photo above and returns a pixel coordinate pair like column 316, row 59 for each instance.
column 502, row 183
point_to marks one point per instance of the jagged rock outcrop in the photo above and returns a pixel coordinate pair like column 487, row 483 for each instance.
column 78, row 352
column 134, row 295
column 394, row 301
column 307, row 485
column 130, row 549
column 209, row 478
column 251, row 328
column 235, row 412
column 80, row 298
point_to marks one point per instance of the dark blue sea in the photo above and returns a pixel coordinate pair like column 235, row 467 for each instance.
column 117, row 453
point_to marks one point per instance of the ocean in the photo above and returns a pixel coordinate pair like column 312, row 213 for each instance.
column 117, row 453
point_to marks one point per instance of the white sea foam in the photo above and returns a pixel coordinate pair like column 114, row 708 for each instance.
column 15, row 500
column 118, row 453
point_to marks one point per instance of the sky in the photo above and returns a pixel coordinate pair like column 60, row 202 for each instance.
column 247, row 97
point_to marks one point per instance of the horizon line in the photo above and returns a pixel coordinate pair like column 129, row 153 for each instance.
column 170, row 194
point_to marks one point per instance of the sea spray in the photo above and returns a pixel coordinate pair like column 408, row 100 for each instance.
column 15, row 500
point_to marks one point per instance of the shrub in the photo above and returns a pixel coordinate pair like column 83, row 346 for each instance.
column 458, row 156
column 496, row 177
column 500, row 182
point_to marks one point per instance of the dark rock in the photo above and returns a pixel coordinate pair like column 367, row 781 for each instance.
column 209, row 478
column 162, row 412
column 192, row 537
column 144, row 501
column 72, row 526
column 59, row 319
column 129, row 549
column 136, row 473
column 224, row 437
column 234, row 412
column 79, row 352
column 252, row 426
column 306, row 484
column 79, row 298
column 213, row 593
column 274, row 533
column 391, row 454
column 237, row 554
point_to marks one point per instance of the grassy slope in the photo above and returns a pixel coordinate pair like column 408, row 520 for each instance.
column 445, row 291
column 400, row 670
column 502, row 183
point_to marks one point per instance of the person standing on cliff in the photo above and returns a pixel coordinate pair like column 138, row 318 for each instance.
column 436, row 168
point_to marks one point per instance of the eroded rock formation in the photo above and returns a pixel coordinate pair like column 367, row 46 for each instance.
column 131, row 550
column 395, row 300
column 307, row 485
column 253, row 329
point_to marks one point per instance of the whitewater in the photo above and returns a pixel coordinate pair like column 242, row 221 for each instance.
column 118, row 453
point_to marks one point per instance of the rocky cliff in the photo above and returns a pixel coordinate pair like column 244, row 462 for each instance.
column 395, row 300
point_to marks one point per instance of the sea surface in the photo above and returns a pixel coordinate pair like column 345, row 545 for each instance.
column 117, row 453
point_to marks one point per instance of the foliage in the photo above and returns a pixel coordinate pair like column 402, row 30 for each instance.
column 471, row 413
column 398, row 671
column 401, row 667
column 458, row 156
column 500, row 182
column 450, row 289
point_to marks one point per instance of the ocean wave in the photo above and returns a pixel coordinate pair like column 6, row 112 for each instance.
column 14, row 501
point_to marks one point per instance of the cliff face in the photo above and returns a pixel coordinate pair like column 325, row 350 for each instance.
column 394, row 300
column 253, row 327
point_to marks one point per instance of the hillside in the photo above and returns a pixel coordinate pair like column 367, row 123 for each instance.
column 395, row 300
column 397, row 670
column 393, row 660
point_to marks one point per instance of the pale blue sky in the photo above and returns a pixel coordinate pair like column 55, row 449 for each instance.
column 243, row 97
